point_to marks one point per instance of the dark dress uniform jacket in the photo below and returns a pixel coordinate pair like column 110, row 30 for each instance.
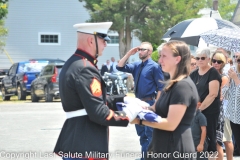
column 81, row 87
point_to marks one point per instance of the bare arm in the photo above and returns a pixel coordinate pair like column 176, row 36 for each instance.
column 200, row 146
column 213, row 92
column 123, row 61
column 225, row 82
column 170, row 123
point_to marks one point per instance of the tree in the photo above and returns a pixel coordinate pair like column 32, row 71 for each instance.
column 3, row 13
column 146, row 19
column 164, row 15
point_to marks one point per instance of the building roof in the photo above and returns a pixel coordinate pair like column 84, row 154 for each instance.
column 207, row 12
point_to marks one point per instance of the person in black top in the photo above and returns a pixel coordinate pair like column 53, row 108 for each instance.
column 85, row 132
column 172, row 137
column 106, row 68
column 208, row 82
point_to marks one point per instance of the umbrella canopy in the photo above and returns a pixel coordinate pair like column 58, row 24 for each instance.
column 225, row 38
column 189, row 30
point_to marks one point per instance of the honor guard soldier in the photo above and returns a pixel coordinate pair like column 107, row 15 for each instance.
column 89, row 111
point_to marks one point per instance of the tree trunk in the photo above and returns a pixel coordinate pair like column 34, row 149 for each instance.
column 122, row 45
column 128, row 37
column 215, row 5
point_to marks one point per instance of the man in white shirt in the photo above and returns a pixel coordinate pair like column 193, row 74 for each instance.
column 113, row 65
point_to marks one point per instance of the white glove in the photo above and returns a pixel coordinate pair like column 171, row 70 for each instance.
column 132, row 111
column 131, row 100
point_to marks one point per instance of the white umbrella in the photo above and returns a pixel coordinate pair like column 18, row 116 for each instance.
column 190, row 30
column 228, row 39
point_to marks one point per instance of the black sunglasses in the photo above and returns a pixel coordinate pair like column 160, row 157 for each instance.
column 218, row 61
column 142, row 49
column 235, row 56
column 193, row 64
column 202, row 58
column 238, row 61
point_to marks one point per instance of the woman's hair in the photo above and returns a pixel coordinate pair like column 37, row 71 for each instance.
column 159, row 48
column 219, row 56
column 181, row 49
column 237, row 66
column 192, row 56
column 205, row 51
column 230, row 61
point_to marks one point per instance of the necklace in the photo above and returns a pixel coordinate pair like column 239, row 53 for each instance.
column 199, row 79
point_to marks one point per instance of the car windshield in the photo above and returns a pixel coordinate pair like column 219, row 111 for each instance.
column 34, row 66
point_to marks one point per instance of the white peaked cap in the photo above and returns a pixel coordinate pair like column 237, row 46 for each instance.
column 92, row 28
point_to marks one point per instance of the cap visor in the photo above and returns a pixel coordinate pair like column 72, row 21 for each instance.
column 107, row 38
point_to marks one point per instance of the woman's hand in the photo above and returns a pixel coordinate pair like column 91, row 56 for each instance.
column 200, row 148
column 232, row 74
column 132, row 51
column 152, row 108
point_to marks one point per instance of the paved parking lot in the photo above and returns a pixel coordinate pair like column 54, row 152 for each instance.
column 30, row 130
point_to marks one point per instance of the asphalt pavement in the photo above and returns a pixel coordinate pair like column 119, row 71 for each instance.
column 30, row 131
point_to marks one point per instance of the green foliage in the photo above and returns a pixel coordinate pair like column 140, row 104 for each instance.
column 165, row 14
column 147, row 19
column 155, row 56
column 3, row 13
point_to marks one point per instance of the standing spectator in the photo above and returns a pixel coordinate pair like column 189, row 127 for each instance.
column 176, row 105
column 208, row 82
column 226, row 54
column 193, row 63
column 84, row 99
column 113, row 64
column 218, row 61
column 227, row 134
column 233, row 110
column 106, row 68
column 147, row 75
column 199, row 132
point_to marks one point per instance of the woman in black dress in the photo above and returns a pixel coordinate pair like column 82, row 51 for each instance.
column 208, row 82
column 172, row 138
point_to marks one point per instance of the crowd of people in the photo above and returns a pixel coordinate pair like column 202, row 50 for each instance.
column 196, row 99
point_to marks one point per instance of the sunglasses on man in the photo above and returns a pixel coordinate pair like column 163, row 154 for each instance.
column 235, row 56
column 218, row 61
column 142, row 49
column 193, row 64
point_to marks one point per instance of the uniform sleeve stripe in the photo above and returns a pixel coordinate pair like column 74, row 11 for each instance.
column 110, row 115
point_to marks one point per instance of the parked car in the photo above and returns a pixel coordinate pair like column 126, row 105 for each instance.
column 46, row 83
column 55, row 61
column 20, row 76
column 2, row 75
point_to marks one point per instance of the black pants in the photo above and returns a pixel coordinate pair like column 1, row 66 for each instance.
column 212, row 122
column 236, row 132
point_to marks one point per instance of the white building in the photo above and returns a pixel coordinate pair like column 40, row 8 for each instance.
column 44, row 29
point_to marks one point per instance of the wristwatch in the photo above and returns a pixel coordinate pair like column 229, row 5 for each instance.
column 140, row 122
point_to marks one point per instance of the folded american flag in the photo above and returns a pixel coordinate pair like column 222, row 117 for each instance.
column 143, row 114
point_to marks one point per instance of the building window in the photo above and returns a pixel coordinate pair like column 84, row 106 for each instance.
column 114, row 40
column 49, row 38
